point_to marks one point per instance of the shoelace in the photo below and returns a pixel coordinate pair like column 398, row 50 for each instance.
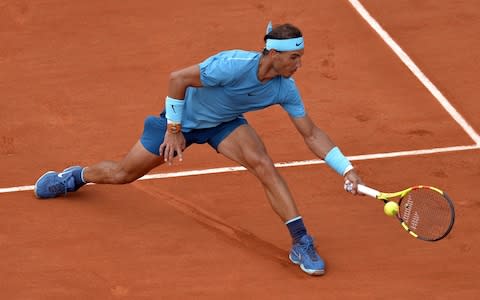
column 60, row 186
column 310, row 251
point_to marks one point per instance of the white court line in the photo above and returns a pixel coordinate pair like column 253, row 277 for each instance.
column 278, row 165
column 416, row 71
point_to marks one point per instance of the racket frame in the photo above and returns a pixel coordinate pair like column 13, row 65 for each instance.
column 386, row 197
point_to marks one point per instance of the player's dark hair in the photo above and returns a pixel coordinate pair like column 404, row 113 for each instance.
column 282, row 32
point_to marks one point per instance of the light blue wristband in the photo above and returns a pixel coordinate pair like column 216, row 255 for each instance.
column 174, row 110
column 337, row 161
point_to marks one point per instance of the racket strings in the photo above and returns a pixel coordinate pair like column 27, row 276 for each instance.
column 427, row 213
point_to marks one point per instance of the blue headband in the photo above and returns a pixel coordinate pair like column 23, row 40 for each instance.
column 283, row 45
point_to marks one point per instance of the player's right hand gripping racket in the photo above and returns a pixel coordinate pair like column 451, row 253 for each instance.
column 426, row 212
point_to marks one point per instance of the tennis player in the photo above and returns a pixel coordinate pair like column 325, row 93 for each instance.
column 205, row 104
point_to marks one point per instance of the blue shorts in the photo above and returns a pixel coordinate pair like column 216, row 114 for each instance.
column 155, row 127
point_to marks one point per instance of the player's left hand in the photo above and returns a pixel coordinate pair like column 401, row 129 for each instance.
column 352, row 178
column 173, row 143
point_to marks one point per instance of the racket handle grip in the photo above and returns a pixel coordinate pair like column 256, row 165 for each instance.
column 362, row 189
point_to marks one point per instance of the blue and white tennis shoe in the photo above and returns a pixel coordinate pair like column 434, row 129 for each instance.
column 53, row 184
column 304, row 254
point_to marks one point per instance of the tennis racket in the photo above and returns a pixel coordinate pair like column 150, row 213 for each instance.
column 425, row 212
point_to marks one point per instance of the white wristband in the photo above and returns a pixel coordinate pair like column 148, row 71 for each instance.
column 337, row 161
column 348, row 169
column 174, row 110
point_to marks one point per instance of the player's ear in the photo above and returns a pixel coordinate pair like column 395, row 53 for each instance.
column 273, row 53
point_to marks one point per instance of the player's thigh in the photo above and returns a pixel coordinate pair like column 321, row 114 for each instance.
column 244, row 146
column 139, row 161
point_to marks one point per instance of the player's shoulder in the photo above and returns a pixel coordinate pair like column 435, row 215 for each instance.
column 288, row 82
column 286, row 87
column 237, row 54
column 237, row 58
column 235, row 61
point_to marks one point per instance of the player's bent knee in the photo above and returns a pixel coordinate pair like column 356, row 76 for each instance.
column 263, row 165
column 124, row 177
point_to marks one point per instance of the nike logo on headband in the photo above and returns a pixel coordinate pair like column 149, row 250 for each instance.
column 298, row 44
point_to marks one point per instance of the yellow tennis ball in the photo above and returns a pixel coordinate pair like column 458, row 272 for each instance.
column 391, row 208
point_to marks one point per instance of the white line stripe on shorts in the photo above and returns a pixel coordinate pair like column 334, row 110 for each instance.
column 279, row 165
column 416, row 71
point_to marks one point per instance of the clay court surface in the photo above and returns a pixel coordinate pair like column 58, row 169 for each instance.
column 77, row 78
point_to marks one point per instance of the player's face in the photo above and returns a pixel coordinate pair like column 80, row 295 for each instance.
column 287, row 63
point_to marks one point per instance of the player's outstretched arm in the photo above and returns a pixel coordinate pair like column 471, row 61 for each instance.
column 315, row 138
column 320, row 144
